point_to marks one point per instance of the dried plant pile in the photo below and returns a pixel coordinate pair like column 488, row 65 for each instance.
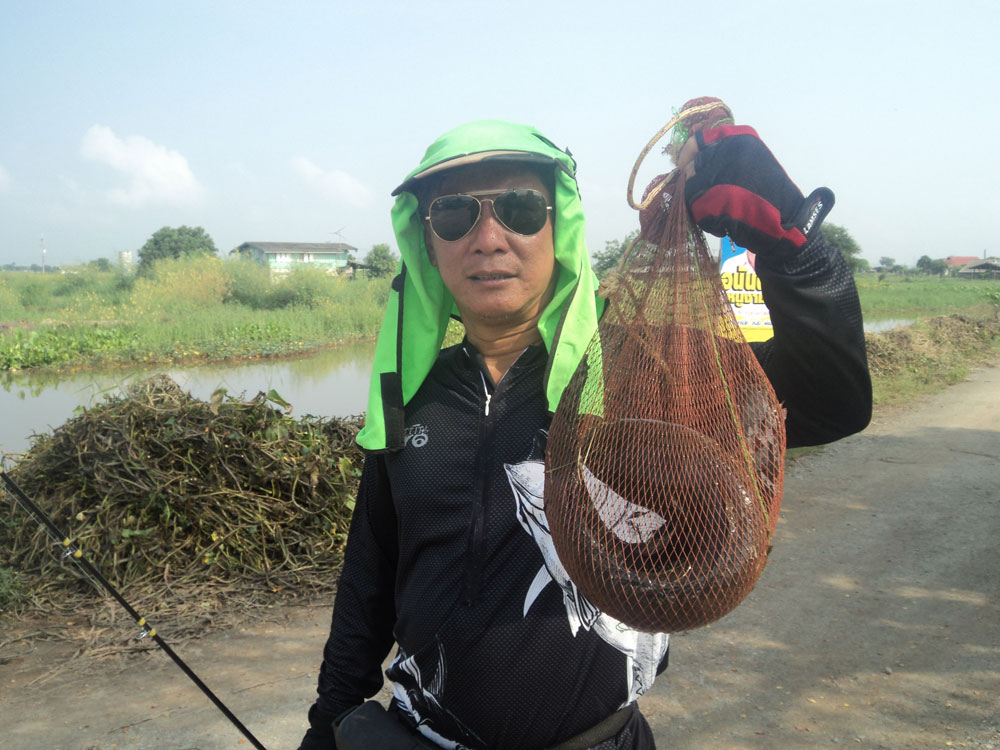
column 925, row 348
column 173, row 497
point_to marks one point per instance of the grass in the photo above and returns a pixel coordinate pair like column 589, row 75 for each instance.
column 929, row 355
column 12, row 593
column 896, row 295
column 195, row 309
column 210, row 309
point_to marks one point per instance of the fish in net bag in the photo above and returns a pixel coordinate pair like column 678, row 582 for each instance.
column 665, row 457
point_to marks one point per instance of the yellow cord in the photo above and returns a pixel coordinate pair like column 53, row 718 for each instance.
column 662, row 132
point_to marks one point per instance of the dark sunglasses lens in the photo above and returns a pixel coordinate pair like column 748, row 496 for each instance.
column 453, row 216
column 522, row 211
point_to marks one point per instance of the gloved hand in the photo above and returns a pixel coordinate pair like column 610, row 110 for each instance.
column 738, row 188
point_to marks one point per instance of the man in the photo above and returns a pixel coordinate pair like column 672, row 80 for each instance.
column 447, row 554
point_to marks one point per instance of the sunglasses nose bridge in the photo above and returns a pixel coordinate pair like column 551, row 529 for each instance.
column 487, row 222
column 482, row 210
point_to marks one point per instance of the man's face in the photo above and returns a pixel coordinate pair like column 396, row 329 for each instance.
column 495, row 275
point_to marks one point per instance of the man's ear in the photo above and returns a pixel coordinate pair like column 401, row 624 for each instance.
column 429, row 244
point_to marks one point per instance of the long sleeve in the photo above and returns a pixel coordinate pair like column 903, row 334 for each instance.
column 817, row 360
column 361, row 631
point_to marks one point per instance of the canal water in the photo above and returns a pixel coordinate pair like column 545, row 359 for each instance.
column 328, row 383
column 886, row 324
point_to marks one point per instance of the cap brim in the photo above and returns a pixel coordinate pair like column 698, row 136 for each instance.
column 466, row 159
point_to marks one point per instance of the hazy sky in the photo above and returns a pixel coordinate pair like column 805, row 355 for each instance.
column 293, row 121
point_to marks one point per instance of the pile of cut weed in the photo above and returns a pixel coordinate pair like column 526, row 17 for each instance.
column 928, row 355
column 195, row 509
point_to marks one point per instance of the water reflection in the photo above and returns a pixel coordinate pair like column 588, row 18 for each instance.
column 332, row 382
column 886, row 324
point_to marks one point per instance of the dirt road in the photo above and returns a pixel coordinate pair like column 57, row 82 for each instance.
column 876, row 624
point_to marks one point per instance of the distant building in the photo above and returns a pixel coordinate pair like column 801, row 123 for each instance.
column 125, row 260
column 282, row 257
column 957, row 261
column 987, row 268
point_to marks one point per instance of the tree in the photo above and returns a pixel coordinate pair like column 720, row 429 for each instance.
column 608, row 259
column 170, row 242
column 841, row 239
column 888, row 264
column 932, row 267
column 381, row 261
column 101, row 264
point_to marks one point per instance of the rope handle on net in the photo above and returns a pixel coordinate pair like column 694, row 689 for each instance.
column 72, row 552
column 682, row 115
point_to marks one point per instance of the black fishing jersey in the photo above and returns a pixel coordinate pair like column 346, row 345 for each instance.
column 449, row 553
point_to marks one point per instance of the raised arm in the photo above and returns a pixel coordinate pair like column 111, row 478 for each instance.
column 816, row 360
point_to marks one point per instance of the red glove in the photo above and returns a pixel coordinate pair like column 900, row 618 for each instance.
column 738, row 188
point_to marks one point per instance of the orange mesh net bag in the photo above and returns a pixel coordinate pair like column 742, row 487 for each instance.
column 665, row 458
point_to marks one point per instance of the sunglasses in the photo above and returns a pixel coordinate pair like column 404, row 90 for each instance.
column 521, row 210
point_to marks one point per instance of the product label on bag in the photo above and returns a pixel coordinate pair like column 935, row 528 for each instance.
column 742, row 286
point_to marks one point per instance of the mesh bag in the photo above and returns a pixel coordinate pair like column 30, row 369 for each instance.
column 665, row 458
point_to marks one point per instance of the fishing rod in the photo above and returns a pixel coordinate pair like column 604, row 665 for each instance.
column 73, row 553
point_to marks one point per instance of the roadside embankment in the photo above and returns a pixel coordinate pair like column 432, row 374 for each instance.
column 930, row 354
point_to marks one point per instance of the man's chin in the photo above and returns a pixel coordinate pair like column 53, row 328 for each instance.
column 501, row 320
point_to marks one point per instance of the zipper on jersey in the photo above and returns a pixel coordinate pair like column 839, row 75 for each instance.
column 486, row 391
column 480, row 496
column 474, row 551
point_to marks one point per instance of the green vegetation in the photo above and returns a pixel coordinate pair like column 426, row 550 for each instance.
column 173, row 243
column 200, row 307
column 188, row 308
column 841, row 239
column 12, row 593
column 608, row 259
column 382, row 260
column 932, row 267
column 924, row 297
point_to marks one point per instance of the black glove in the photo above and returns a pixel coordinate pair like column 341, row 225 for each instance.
column 738, row 188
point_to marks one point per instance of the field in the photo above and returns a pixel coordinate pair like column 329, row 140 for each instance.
column 204, row 308
column 210, row 309
column 902, row 296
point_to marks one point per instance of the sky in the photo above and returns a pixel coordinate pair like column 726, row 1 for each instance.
column 294, row 121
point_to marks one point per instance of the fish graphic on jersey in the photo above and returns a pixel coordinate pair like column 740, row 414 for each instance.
column 630, row 522
column 418, row 682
